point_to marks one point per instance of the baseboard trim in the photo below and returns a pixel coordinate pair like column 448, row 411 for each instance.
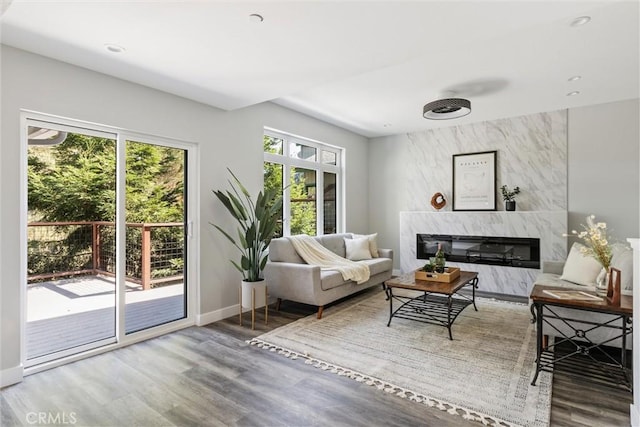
column 223, row 313
column 11, row 376
column 215, row 315
column 635, row 415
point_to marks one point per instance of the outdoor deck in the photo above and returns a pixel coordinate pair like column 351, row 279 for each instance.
column 67, row 313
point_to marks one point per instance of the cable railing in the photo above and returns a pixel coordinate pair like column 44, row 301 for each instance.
column 154, row 251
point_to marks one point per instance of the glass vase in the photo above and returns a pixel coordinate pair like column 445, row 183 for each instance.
column 602, row 283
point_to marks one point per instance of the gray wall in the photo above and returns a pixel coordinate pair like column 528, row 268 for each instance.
column 594, row 169
column 226, row 139
column 604, row 171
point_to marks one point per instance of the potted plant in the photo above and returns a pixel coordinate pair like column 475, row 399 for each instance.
column 256, row 221
column 508, row 197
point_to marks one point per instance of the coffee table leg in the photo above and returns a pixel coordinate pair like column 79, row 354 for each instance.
column 449, row 303
column 474, row 285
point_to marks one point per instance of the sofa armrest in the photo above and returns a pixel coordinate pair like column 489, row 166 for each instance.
column 292, row 281
column 385, row 253
column 553, row 267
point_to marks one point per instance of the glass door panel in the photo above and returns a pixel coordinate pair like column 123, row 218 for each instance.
column 155, row 290
column 71, row 291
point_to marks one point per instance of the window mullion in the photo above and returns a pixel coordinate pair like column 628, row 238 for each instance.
column 319, row 202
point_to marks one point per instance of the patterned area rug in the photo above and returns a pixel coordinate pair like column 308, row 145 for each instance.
column 484, row 374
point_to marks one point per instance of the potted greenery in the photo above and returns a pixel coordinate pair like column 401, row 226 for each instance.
column 257, row 222
column 508, row 196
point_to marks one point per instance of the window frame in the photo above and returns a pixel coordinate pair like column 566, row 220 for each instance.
column 318, row 166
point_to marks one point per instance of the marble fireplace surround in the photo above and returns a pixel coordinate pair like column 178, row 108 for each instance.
column 548, row 226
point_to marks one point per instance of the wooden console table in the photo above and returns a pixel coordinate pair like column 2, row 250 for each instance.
column 581, row 359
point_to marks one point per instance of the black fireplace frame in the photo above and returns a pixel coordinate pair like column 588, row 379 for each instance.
column 523, row 252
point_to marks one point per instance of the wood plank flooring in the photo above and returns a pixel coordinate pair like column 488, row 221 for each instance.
column 47, row 336
column 210, row 376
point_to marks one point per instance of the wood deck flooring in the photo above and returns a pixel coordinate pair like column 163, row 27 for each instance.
column 48, row 336
column 209, row 376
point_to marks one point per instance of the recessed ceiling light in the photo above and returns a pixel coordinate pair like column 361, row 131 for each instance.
column 574, row 78
column 114, row 48
column 256, row 18
column 581, row 20
column 574, row 93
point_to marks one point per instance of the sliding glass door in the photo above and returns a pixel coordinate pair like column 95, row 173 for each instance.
column 71, row 289
column 155, row 223
column 101, row 265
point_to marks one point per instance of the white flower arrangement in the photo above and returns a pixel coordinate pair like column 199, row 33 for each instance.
column 595, row 239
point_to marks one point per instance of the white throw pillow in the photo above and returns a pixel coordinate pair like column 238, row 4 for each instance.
column 623, row 260
column 373, row 244
column 579, row 268
column 357, row 249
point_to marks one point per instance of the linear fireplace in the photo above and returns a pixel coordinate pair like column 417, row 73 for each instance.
column 504, row 251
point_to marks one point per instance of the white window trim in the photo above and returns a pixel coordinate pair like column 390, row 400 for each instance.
column 320, row 168
column 192, row 272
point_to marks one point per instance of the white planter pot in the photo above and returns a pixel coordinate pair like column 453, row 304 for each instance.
column 247, row 293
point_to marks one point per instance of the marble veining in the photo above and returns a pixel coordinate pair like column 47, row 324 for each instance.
column 531, row 154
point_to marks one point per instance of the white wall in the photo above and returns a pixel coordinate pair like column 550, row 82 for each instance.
column 226, row 139
column 604, row 166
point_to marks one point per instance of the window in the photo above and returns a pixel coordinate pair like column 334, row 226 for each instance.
column 308, row 173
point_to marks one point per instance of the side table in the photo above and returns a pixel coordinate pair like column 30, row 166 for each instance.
column 582, row 358
column 247, row 296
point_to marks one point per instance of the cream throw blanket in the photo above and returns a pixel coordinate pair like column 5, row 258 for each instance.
column 313, row 253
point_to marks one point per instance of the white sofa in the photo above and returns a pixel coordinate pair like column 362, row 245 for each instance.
column 290, row 278
column 552, row 273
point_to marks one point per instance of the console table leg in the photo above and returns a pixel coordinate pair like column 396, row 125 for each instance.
column 389, row 293
column 538, row 309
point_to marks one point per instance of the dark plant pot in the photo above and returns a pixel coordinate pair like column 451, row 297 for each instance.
column 510, row 205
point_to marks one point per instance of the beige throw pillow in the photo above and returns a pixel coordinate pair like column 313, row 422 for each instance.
column 357, row 249
column 373, row 244
column 579, row 268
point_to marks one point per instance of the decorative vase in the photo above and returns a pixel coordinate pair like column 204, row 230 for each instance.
column 602, row 283
column 613, row 292
column 510, row 205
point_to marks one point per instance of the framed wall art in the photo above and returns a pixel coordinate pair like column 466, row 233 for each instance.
column 474, row 181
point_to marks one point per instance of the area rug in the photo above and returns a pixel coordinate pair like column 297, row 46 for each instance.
column 484, row 374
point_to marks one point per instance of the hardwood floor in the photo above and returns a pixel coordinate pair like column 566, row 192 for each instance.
column 211, row 376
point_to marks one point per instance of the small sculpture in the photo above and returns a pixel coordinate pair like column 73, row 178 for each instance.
column 438, row 201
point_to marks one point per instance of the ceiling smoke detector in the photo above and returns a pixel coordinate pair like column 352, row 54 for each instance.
column 448, row 108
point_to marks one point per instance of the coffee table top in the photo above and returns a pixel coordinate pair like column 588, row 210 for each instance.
column 408, row 281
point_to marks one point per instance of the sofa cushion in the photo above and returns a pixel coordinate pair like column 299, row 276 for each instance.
column 623, row 260
column 373, row 243
column 550, row 279
column 334, row 242
column 378, row 265
column 579, row 268
column 357, row 248
column 281, row 250
column 330, row 279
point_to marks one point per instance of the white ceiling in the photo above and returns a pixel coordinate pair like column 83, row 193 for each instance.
column 365, row 66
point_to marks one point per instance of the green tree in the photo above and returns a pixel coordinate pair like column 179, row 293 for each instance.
column 76, row 181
